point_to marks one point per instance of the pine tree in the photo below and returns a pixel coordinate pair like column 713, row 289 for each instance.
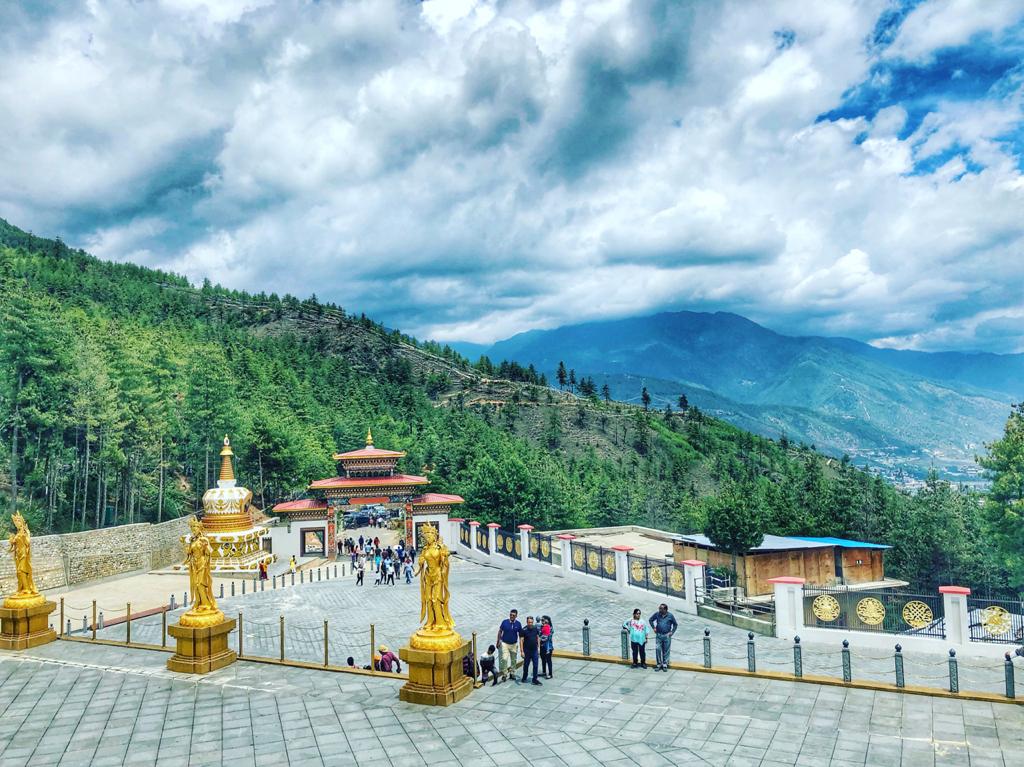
column 645, row 398
column 561, row 375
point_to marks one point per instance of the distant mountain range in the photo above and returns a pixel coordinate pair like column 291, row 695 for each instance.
column 898, row 411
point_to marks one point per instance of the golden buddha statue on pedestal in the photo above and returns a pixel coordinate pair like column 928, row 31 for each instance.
column 24, row 617
column 435, row 651
column 198, row 553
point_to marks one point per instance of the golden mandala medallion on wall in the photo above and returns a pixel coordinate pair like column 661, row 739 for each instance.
column 825, row 608
column 519, row 549
column 545, row 548
column 577, row 557
column 870, row 611
column 675, row 580
column 593, row 560
column 996, row 621
column 533, row 545
column 657, row 576
column 917, row 614
column 508, row 545
column 609, row 564
column 636, row 570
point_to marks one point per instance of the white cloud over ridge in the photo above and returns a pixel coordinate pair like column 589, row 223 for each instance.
column 468, row 170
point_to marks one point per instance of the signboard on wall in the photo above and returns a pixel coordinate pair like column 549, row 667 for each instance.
column 313, row 542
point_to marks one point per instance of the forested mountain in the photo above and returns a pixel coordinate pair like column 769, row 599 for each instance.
column 896, row 410
column 117, row 383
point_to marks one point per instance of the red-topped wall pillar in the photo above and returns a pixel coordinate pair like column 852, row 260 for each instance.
column 957, row 618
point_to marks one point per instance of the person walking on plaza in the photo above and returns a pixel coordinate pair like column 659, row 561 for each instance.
column 664, row 624
column 291, row 564
column 408, row 570
column 547, row 646
column 637, row 639
column 392, row 571
column 360, row 569
column 263, row 571
column 353, row 555
column 508, row 644
column 529, row 646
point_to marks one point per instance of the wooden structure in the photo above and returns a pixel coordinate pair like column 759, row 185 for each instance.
column 821, row 561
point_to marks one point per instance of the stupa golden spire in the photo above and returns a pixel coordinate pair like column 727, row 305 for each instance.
column 369, row 438
column 226, row 472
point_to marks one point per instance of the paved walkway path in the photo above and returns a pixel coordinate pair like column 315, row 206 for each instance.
column 77, row 704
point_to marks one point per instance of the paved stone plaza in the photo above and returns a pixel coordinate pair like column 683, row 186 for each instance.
column 75, row 703
column 481, row 597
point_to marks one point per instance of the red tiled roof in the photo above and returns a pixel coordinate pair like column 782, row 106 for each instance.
column 436, row 499
column 355, row 482
column 369, row 452
column 306, row 504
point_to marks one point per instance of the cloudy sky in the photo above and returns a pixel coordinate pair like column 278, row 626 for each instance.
column 468, row 169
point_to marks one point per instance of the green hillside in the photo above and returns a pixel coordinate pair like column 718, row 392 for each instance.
column 117, row 383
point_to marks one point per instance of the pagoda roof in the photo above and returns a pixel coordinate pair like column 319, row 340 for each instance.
column 368, row 452
column 305, row 504
column 437, row 499
column 332, row 483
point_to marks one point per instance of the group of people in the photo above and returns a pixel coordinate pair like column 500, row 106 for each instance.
column 534, row 643
column 387, row 563
column 663, row 624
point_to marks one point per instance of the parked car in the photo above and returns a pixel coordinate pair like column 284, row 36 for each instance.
column 357, row 519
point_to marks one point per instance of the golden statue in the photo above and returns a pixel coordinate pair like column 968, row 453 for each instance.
column 438, row 629
column 20, row 543
column 198, row 554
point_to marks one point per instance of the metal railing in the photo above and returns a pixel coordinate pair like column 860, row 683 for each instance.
column 464, row 533
column 883, row 611
column 656, row 575
column 508, row 544
column 540, row 547
column 996, row 620
column 483, row 540
column 593, row 560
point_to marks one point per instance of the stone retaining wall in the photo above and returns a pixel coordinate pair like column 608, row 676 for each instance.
column 64, row 560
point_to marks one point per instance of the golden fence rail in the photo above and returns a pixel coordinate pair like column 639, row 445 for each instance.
column 326, row 646
column 128, row 623
column 241, row 634
column 94, row 619
column 282, row 637
column 373, row 646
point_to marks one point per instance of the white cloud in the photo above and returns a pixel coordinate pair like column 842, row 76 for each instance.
column 474, row 169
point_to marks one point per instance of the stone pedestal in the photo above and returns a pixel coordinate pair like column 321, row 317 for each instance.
column 435, row 676
column 202, row 649
column 24, row 627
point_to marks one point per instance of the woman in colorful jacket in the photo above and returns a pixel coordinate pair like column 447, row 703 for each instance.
column 637, row 628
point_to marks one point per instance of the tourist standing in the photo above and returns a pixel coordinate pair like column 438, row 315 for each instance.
column 263, row 571
column 392, row 570
column 529, row 646
column 292, row 565
column 408, row 570
column 508, row 644
column 360, row 567
column 353, row 555
column 637, row 639
column 547, row 646
column 664, row 624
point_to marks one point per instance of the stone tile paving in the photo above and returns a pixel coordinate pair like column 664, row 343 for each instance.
column 77, row 704
column 481, row 597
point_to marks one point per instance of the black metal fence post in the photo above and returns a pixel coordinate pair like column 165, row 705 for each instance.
column 707, row 648
column 232, row 588
column 751, row 657
column 1008, row 673
column 221, row 590
column 898, row 659
column 798, row 658
column 954, row 673
column 586, row 636
column 847, row 670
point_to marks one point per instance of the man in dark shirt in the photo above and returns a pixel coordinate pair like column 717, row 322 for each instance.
column 664, row 624
column 529, row 644
column 508, row 645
